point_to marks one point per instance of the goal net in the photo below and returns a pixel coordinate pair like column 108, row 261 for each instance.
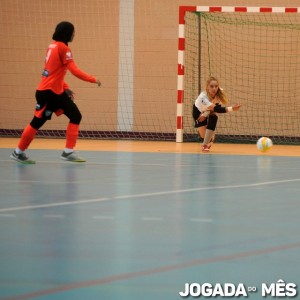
column 256, row 58
column 118, row 41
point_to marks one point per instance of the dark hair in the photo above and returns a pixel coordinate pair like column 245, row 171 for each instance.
column 63, row 32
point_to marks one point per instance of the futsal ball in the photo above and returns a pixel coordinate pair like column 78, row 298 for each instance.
column 264, row 144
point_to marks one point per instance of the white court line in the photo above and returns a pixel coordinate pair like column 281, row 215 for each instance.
column 17, row 208
column 87, row 201
column 207, row 188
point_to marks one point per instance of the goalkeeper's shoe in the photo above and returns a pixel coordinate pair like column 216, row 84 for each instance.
column 205, row 148
column 22, row 158
column 73, row 156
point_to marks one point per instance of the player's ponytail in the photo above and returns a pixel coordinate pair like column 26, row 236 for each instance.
column 221, row 95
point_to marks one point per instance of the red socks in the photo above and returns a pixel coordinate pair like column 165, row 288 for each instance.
column 72, row 135
column 27, row 137
column 29, row 133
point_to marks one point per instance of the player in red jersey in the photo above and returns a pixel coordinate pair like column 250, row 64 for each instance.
column 53, row 95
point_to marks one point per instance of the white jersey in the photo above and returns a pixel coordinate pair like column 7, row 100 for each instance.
column 203, row 102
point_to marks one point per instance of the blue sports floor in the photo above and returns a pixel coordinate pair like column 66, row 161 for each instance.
column 138, row 225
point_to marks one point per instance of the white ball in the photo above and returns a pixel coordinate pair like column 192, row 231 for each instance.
column 264, row 144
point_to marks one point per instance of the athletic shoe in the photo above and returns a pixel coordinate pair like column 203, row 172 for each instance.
column 205, row 148
column 22, row 158
column 73, row 156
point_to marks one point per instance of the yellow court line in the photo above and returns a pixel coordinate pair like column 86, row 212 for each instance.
column 154, row 146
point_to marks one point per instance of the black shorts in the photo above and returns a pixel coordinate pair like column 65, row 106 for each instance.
column 47, row 103
column 196, row 114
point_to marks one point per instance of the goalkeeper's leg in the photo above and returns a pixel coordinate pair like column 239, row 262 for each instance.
column 209, row 132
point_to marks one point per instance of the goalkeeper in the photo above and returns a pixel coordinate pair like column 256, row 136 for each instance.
column 54, row 96
column 205, row 110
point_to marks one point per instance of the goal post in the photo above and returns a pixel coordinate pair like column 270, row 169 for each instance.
column 255, row 54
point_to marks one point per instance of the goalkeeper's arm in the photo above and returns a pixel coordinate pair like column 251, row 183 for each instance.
column 223, row 109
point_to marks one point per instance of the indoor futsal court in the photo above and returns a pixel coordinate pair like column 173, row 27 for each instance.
column 138, row 220
column 154, row 213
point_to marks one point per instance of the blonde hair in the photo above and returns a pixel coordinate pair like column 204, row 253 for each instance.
column 220, row 93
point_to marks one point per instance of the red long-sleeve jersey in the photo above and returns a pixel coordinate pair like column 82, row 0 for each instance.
column 58, row 60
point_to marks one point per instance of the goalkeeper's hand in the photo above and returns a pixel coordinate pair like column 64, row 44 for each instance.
column 236, row 107
column 203, row 116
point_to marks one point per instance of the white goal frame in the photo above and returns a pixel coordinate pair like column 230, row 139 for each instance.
column 181, row 47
